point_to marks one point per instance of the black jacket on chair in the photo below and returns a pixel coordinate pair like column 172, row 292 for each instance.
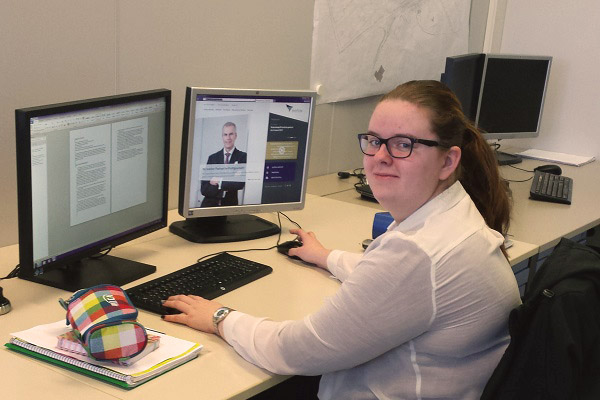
column 554, row 351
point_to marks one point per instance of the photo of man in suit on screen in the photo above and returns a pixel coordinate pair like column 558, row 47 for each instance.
column 217, row 191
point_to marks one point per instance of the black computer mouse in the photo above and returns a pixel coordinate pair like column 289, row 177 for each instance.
column 551, row 168
column 285, row 247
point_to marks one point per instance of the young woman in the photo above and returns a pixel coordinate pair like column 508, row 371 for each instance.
column 423, row 312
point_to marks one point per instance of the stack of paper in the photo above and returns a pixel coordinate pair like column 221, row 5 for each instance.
column 40, row 342
column 561, row 158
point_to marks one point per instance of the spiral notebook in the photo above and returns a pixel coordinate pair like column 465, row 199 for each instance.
column 40, row 342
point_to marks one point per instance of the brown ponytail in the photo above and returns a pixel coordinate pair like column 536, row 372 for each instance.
column 479, row 175
column 478, row 170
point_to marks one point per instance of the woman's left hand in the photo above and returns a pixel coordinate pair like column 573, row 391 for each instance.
column 196, row 312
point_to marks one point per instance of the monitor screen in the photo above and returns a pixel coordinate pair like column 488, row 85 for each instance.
column 91, row 174
column 511, row 98
column 244, row 151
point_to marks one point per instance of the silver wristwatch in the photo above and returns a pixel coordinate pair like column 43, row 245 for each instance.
column 219, row 316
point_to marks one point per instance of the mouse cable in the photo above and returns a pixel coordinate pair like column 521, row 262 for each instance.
column 520, row 169
column 522, row 180
column 279, row 214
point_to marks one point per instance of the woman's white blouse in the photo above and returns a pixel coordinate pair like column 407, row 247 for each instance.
column 421, row 314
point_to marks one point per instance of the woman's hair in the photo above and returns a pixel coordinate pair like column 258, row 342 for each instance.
column 478, row 169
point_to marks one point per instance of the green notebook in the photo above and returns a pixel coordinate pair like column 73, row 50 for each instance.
column 39, row 342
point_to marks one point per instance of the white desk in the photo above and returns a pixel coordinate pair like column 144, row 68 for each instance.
column 291, row 291
column 328, row 184
column 543, row 223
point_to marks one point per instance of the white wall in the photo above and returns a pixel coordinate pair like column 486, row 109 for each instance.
column 570, row 32
column 59, row 50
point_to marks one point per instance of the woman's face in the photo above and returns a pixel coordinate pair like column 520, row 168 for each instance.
column 402, row 185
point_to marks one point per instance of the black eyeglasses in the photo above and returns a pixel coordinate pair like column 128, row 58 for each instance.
column 398, row 146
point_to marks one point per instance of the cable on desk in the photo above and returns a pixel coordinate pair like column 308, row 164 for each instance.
column 279, row 214
column 13, row 273
column 520, row 169
column 345, row 175
column 103, row 253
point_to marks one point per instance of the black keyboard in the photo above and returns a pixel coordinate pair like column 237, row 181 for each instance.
column 365, row 191
column 551, row 187
column 209, row 278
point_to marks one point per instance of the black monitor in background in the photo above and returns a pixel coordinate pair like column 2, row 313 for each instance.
column 463, row 76
column 267, row 133
column 91, row 174
column 510, row 96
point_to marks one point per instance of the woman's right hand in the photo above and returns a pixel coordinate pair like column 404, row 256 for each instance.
column 312, row 250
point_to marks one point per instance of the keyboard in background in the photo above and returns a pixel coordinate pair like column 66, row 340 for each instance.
column 550, row 187
column 209, row 278
column 365, row 191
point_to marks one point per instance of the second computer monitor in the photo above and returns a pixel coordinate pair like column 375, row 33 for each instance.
column 511, row 98
column 502, row 94
column 463, row 76
column 244, row 151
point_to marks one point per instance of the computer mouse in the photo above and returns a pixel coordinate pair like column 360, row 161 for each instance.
column 285, row 247
column 551, row 168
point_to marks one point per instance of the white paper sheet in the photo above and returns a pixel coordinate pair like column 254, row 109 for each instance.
column 367, row 47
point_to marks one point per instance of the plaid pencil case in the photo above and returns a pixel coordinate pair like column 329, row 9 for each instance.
column 104, row 321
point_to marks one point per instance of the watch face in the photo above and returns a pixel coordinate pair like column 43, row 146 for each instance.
column 220, row 312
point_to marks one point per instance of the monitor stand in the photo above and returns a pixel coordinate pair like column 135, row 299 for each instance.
column 91, row 272
column 507, row 159
column 232, row 228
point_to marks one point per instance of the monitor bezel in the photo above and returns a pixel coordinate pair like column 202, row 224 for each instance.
column 27, row 269
column 187, row 150
column 513, row 135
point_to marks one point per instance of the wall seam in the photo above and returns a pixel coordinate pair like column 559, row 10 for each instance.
column 331, row 146
column 116, row 88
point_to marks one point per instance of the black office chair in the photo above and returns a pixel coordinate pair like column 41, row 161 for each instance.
column 555, row 334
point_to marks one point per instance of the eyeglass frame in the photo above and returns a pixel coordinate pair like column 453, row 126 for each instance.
column 426, row 142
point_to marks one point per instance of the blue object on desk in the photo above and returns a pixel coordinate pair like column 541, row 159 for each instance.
column 380, row 223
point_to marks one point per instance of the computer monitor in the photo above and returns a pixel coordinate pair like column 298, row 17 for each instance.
column 267, row 133
column 510, row 96
column 91, row 174
column 463, row 76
